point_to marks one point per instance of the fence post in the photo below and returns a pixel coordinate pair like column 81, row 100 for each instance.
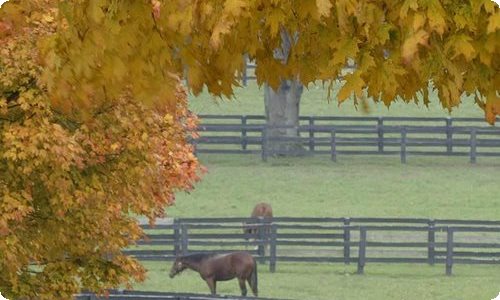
column 311, row 134
column 184, row 239
column 449, row 136
column 473, row 145
column 431, row 237
column 177, row 237
column 380, row 128
column 244, row 132
column 261, row 249
column 264, row 144
column 347, row 241
column 449, row 251
column 403, row 145
column 274, row 237
column 362, row 250
column 333, row 143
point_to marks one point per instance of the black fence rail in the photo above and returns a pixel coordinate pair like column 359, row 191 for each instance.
column 336, row 136
column 149, row 295
column 333, row 240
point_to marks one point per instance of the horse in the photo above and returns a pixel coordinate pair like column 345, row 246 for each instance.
column 215, row 267
column 263, row 210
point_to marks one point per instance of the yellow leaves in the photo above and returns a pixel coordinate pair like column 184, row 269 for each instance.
column 3, row 106
column 345, row 9
column 344, row 48
column 195, row 79
column 493, row 23
column 94, row 11
column 233, row 10
column 407, row 5
column 418, row 21
column 235, row 7
column 354, row 84
column 435, row 14
column 274, row 20
column 410, row 45
column 461, row 45
column 222, row 28
column 324, row 7
column 384, row 81
column 449, row 94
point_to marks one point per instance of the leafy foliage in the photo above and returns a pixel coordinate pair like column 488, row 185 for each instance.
column 70, row 187
column 398, row 47
column 93, row 119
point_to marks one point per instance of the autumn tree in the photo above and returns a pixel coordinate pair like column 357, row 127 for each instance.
column 91, row 105
column 72, row 181
column 399, row 47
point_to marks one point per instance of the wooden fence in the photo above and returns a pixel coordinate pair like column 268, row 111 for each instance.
column 250, row 66
column 336, row 136
column 149, row 295
column 331, row 240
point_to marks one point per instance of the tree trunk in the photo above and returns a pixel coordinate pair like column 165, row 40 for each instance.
column 282, row 109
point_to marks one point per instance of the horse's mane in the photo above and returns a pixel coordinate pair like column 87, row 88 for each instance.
column 198, row 257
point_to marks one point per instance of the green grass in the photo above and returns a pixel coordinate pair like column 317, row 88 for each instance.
column 428, row 187
column 337, row 281
column 354, row 186
column 314, row 101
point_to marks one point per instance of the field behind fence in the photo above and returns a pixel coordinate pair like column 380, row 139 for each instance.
column 339, row 136
column 358, row 241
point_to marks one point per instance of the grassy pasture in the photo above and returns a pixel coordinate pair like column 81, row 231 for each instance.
column 428, row 187
column 339, row 282
column 314, row 101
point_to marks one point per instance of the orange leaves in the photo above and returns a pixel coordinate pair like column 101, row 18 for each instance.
column 5, row 29
column 67, row 187
column 492, row 108
column 88, row 178
column 156, row 7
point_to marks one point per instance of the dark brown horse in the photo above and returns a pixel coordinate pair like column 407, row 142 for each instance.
column 262, row 210
column 215, row 267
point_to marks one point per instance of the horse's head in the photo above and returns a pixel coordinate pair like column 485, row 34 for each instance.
column 177, row 267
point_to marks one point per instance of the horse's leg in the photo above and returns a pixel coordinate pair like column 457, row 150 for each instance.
column 243, row 286
column 211, row 284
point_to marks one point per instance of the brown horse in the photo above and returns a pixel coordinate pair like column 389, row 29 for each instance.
column 262, row 210
column 215, row 267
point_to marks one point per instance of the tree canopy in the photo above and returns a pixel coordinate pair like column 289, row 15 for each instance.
column 398, row 47
column 93, row 119
column 71, row 185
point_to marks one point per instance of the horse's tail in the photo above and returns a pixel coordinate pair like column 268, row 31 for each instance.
column 253, row 279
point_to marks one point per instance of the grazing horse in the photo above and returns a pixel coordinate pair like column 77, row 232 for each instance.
column 263, row 210
column 215, row 267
